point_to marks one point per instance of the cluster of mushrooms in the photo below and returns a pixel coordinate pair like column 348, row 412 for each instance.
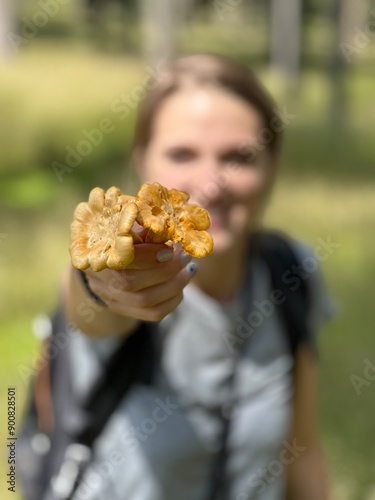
column 103, row 230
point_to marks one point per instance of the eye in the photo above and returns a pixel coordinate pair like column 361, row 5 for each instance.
column 180, row 155
column 241, row 157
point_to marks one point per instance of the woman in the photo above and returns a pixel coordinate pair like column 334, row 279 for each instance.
column 207, row 127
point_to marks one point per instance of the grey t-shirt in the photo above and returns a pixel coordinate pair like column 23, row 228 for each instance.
column 161, row 442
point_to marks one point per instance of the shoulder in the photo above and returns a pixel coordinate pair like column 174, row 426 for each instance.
column 321, row 304
column 298, row 267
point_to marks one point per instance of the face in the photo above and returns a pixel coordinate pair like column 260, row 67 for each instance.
column 204, row 142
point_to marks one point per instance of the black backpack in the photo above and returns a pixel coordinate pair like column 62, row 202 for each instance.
column 54, row 460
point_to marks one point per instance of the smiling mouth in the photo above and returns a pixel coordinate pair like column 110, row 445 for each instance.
column 219, row 216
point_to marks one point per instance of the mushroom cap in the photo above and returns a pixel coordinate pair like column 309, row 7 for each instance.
column 100, row 231
column 169, row 217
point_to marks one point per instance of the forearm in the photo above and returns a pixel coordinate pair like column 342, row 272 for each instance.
column 91, row 318
column 307, row 477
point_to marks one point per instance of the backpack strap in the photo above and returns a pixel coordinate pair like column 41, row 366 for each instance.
column 132, row 361
column 276, row 250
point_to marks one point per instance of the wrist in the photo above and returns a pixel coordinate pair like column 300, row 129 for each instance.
column 85, row 282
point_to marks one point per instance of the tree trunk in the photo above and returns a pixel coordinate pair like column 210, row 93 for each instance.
column 285, row 37
column 161, row 21
column 6, row 27
column 349, row 20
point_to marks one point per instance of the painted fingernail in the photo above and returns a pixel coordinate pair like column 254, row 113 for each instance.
column 192, row 269
column 164, row 255
column 185, row 258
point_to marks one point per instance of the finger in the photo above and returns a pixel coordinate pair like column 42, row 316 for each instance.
column 162, row 310
column 154, row 314
column 149, row 255
column 134, row 280
column 154, row 295
column 134, row 287
column 109, row 283
column 153, row 302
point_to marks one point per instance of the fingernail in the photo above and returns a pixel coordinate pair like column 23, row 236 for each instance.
column 164, row 255
column 192, row 269
column 185, row 258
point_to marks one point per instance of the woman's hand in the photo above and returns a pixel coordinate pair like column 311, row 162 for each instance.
column 148, row 289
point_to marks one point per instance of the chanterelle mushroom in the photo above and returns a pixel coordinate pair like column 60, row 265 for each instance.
column 169, row 217
column 102, row 236
column 101, row 231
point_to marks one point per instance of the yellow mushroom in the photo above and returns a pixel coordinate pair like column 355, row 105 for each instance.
column 101, row 233
column 169, row 217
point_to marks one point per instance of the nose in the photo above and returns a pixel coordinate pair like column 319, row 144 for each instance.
column 212, row 181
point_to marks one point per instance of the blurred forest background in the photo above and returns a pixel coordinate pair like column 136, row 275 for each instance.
column 70, row 67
